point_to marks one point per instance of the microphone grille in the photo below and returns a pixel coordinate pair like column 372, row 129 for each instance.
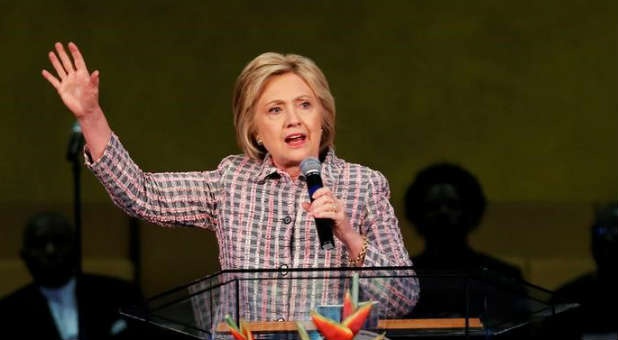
column 310, row 165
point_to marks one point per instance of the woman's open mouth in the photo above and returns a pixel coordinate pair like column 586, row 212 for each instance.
column 295, row 139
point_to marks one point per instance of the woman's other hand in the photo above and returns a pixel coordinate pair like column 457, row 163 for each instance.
column 326, row 205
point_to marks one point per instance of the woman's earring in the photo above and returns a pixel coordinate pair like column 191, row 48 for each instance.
column 259, row 141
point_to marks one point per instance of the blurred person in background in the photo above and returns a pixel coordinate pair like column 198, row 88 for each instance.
column 596, row 292
column 445, row 203
column 59, row 303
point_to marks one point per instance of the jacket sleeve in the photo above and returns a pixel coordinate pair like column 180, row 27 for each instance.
column 169, row 198
column 396, row 291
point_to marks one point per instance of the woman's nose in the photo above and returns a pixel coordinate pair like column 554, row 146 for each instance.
column 293, row 118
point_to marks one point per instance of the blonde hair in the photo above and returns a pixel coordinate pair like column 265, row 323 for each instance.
column 249, row 87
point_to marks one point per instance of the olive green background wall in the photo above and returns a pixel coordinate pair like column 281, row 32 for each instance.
column 522, row 93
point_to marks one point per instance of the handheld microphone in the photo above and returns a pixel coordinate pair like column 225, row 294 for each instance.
column 310, row 168
column 75, row 142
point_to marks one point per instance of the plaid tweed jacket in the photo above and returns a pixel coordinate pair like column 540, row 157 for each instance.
column 255, row 211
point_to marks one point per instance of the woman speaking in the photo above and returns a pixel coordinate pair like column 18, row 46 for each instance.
column 257, row 202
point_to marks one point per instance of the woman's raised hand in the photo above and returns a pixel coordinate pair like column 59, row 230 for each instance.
column 79, row 91
column 78, row 88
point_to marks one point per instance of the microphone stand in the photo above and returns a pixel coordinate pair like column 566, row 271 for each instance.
column 76, row 143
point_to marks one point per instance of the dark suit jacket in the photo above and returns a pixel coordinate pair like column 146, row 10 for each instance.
column 598, row 299
column 445, row 296
column 25, row 313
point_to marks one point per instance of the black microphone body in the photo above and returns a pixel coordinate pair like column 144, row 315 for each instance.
column 324, row 225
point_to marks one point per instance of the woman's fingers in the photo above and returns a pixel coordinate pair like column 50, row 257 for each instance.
column 323, row 191
column 80, row 64
column 64, row 65
column 66, row 62
column 56, row 64
column 327, row 212
column 325, row 205
column 327, row 208
column 51, row 79
column 94, row 78
column 322, row 200
column 323, row 197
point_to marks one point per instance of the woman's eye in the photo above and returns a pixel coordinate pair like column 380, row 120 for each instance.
column 305, row 105
column 274, row 109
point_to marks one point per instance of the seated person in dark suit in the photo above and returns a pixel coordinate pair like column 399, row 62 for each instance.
column 597, row 292
column 59, row 304
column 445, row 203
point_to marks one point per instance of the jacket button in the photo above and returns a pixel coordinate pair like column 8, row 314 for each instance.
column 287, row 220
column 283, row 269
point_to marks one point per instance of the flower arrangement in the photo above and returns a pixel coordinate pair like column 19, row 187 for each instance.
column 239, row 333
column 353, row 315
